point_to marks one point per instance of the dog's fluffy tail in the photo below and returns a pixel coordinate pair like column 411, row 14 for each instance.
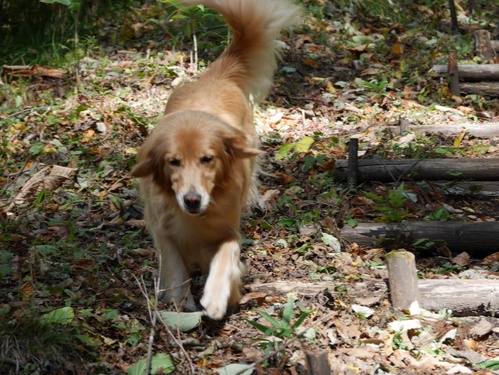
column 249, row 61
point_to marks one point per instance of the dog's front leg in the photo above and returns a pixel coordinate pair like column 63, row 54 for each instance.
column 174, row 278
column 224, row 279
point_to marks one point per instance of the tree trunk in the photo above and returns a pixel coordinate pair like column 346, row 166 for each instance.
column 421, row 169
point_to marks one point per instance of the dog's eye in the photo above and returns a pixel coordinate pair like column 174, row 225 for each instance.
column 174, row 162
column 206, row 159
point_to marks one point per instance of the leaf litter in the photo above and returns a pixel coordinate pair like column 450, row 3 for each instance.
column 73, row 239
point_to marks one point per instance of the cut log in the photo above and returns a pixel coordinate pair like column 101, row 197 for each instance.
column 470, row 73
column 478, row 237
column 375, row 290
column 421, row 169
column 403, row 279
column 485, row 130
column 483, row 88
column 463, row 297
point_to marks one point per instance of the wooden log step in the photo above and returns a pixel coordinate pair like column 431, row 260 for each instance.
column 479, row 237
column 471, row 73
column 484, row 88
column 463, row 297
column 484, row 130
column 421, row 169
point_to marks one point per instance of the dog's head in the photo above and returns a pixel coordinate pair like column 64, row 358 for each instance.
column 189, row 154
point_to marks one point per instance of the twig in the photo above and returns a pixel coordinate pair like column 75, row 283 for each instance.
column 168, row 329
column 152, row 316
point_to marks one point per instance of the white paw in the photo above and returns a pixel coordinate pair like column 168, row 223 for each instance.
column 215, row 301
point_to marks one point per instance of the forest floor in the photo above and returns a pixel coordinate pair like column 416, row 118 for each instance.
column 76, row 262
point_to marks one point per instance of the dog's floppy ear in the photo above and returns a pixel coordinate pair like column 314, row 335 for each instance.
column 236, row 144
column 143, row 168
column 147, row 159
column 239, row 150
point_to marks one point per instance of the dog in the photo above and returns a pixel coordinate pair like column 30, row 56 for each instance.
column 197, row 171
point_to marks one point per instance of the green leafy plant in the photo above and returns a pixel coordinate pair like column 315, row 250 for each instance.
column 492, row 364
column 291, row 150
column 440, row 215
column 391, row 205
column 33, row 340
column 398, row 341
column 279, row 330
column 161, row 363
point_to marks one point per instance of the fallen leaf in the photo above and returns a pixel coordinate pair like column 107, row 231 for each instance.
column 459, row 138
column 404, row 325
column 286, row 179
column 370, row 71
column 259, row 297
column 183, row 321
column 482, row 328
column 27, row 291
column 87, row 136
column 462, row 259
column 363, row 310
column 83, row 264
column 308, row 61
column 490, row 259
column 398, row 49
column 237, row 368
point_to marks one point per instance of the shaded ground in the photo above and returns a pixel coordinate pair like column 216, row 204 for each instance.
column 79, row 242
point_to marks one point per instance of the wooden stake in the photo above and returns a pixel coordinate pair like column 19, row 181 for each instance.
column 453, row 16
column 353, row 152
column 483, row 48
column 317, row 363
column 403, row 279
column 454, row 74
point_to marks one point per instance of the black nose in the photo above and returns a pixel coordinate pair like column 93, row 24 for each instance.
column 192, row 202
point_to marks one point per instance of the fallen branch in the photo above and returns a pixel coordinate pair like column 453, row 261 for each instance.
column 42, row 180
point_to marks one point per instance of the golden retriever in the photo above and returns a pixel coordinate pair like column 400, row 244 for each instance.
column 197, row 170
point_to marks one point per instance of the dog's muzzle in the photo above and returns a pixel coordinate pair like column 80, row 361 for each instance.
column 192, row 202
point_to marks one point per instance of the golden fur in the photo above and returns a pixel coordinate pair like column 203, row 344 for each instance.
column 197, row 169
